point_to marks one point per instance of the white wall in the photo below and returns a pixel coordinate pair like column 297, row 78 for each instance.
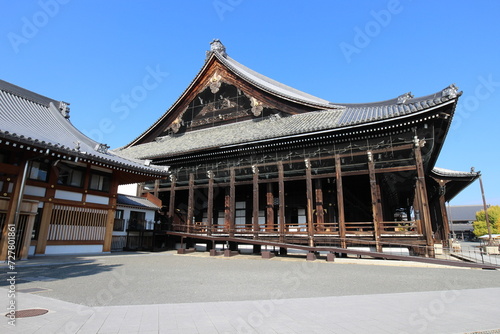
column 128, row 189
column 72, row 249
column 150, row 216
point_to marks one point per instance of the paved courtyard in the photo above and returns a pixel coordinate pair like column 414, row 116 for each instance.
column 170, row 293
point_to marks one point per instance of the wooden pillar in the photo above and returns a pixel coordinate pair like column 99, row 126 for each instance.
column 340, row 200
column 171, row 203
column 424, row 202
column 110, row 221
column 11, row 211
column 140, row 188
column 320, row 212
column 416, row 207
column 227, row 211
column 444, row 214
column 309, row 209
column 375, row 202
column 255, row 202
column 446, row 226
column 43, row 232
column 281, row 208
column 210, row 199
column 190, row 211
column 29, row 208
column 269, row 208
column 108, row 235
column 156, row 188
column 232, row 201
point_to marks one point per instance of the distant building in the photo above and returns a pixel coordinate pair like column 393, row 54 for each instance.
column 133, row 216
column 461, row 218
column 58, row 188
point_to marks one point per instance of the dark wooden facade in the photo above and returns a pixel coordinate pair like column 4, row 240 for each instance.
column 253, row 158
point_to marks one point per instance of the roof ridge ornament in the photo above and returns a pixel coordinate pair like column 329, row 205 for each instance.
column 451, row 91
column 405, row 97
column 102, row 148
column 217, row 46
column 64, row 108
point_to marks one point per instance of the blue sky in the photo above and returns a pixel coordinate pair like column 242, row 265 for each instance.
column 102, row 55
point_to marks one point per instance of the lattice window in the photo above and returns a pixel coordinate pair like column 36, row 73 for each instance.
column 73, row 223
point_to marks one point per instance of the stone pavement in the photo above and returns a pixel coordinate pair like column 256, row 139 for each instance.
column 451, row 310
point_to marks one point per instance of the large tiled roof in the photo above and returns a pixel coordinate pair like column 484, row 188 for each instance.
column 463, row 212
column 32, row 119
column 329, row 117
column 344, row 115
column 448, row 173
column 272, row 86
column 456, row 181
column 349, row 116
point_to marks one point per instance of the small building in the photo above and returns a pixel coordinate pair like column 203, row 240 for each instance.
column 133, row 216
column 58, row 188
column 461, row 219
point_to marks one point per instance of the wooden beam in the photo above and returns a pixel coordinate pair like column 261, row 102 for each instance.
column 309, row 208
column 74, row 242
column 190, row 211
column 281, row 208
column 301, row 177
column 340, row 200
column 255, row 202
column 9, row 169
column 379, row 171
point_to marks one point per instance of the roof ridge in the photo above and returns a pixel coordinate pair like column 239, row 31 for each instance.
column 231, row 62
column 26, row 94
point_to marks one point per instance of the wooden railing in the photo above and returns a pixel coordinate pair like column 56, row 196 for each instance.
column 399, row 227
column 351, row 228
column 359, row 228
